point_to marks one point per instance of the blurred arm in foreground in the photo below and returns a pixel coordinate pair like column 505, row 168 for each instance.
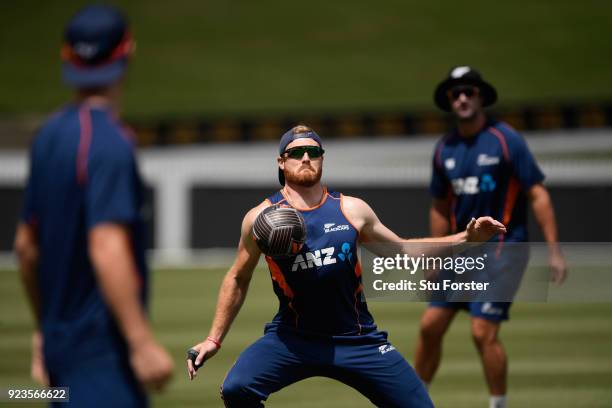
column 26, row 249
column 116, row 273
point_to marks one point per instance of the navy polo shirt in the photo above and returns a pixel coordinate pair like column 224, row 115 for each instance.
column 83, row 173
column 488, row 174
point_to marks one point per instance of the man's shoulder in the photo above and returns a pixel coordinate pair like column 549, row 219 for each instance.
column 352, row 201
column 63, row 118
column 510, row 139
column 108, row 142
column 445, row 142
column 446, row 137
column 251, row 215
column 275, row 198
column 108, row 131
column 255, row 211
column 355, row 206
column 505, row 130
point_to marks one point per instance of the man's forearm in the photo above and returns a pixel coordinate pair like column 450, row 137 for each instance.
column 231, row 297
column 545, row 216
column 457, row 238
column 435, row 246
column 415, row 247
column 118, row 280
column 440, row 226
column 26, row 250
column 121, row 291
column 477, row 232
column 28, row 278
column 439, row 219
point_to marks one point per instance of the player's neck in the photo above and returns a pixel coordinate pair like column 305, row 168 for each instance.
column 106, row 98
column 302, row 196
column 470, row 128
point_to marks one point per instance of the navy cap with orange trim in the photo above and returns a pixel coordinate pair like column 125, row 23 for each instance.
column 97, row 46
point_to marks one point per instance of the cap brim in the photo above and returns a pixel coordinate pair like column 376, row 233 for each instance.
column 85, row 77
column 487, row 92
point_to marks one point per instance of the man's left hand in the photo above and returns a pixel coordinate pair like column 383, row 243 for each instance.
column 558, row 267
column 483, row 228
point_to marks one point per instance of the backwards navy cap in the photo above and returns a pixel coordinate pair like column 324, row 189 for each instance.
column 97, row 46
column 288, row 137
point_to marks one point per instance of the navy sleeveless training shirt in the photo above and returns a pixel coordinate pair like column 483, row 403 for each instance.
column 319, row 289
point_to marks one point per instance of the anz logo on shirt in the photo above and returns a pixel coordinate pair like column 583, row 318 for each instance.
column 322, row 257
column 473, row 185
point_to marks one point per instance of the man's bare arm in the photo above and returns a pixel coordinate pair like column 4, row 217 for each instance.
column 439, row 217
column 545, row 215
column 115, row 267
column 232, row 292
column 236, row 282
column 26, row 249
column 377, row 237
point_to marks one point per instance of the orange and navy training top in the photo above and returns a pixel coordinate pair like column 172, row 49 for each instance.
column 319, row 289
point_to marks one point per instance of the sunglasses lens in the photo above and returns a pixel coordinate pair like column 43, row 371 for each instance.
column 296, row 153
column 314, row 152
column 465, row 90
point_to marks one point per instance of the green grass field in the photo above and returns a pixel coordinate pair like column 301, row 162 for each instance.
column 244, row 57
column 560, row 354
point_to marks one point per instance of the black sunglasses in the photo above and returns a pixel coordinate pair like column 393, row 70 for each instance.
column 467, row 90
column 314, row 152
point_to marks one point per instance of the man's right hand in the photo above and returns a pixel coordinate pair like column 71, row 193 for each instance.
column 206, row 350
column 152, row 365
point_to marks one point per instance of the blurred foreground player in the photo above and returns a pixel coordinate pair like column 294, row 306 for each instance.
column 81, row 241
column 322, row 328
column 483, row 167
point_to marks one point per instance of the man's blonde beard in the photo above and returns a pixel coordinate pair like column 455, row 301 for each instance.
column 303, row 178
